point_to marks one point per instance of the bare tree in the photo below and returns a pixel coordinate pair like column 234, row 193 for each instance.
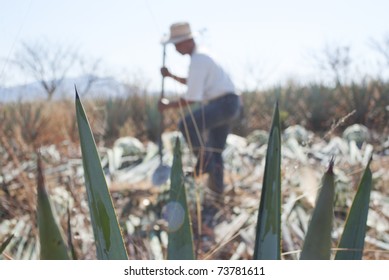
column 335, row 61
column 88, row 67
column 254, row 76
column 382, row 47
column 50, row 65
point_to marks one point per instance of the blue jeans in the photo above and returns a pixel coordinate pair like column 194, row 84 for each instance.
column 206, row 130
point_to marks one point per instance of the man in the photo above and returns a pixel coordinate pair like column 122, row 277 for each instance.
column 206, row 128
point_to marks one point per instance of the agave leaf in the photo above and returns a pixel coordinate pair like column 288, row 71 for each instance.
column 268, row 234
column 108, row 236
column 317, row 243
column 5, row 243
column 353, row 238
column 53, row 246
column 180, row 238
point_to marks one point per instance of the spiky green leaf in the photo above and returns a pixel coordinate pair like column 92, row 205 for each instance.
column 353, row 238
column 317, row 243
column 180, row 238
column 4, row 244
column 268, row 234
column 108, row 237
column 51, row 237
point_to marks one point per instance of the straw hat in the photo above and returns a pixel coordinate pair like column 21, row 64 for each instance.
column 179, row 32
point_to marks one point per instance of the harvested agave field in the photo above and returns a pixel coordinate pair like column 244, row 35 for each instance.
column 221, row 230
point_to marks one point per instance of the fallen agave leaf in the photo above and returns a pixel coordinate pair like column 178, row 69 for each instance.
column 308, row 182
column 226, row 230
column 156, row 247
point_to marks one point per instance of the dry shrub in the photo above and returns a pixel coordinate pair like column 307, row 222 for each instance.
column 318, row 106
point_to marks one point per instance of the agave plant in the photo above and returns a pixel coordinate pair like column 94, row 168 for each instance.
column 317, row 243
column 108, row 238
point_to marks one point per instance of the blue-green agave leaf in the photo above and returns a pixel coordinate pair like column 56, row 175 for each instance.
column 268, row 233
column 180, row 238
column 317, row 243
column 51, row 237
column 108, row 236
column 353, row 238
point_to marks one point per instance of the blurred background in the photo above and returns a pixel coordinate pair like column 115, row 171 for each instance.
column 325, row 62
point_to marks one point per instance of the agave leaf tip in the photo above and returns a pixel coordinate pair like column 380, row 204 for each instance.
column 40, row 177
column 331, row 165
column 75, row 88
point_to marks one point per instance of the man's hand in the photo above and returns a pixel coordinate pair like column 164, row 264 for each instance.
column 163, row 104
column 165, row 72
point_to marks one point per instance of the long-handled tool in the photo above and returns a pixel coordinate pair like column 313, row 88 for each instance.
column 162, row 173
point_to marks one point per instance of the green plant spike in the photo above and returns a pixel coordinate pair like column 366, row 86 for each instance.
column 353, row 238
column 180, row 238
column 5, row 243
column 268, row 233
column 108, row 236
column 51, row 237
column 317, row 243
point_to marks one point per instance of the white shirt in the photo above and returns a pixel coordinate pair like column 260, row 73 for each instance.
column 206, row 78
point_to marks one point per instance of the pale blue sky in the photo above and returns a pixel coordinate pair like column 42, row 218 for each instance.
column 275, row 38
